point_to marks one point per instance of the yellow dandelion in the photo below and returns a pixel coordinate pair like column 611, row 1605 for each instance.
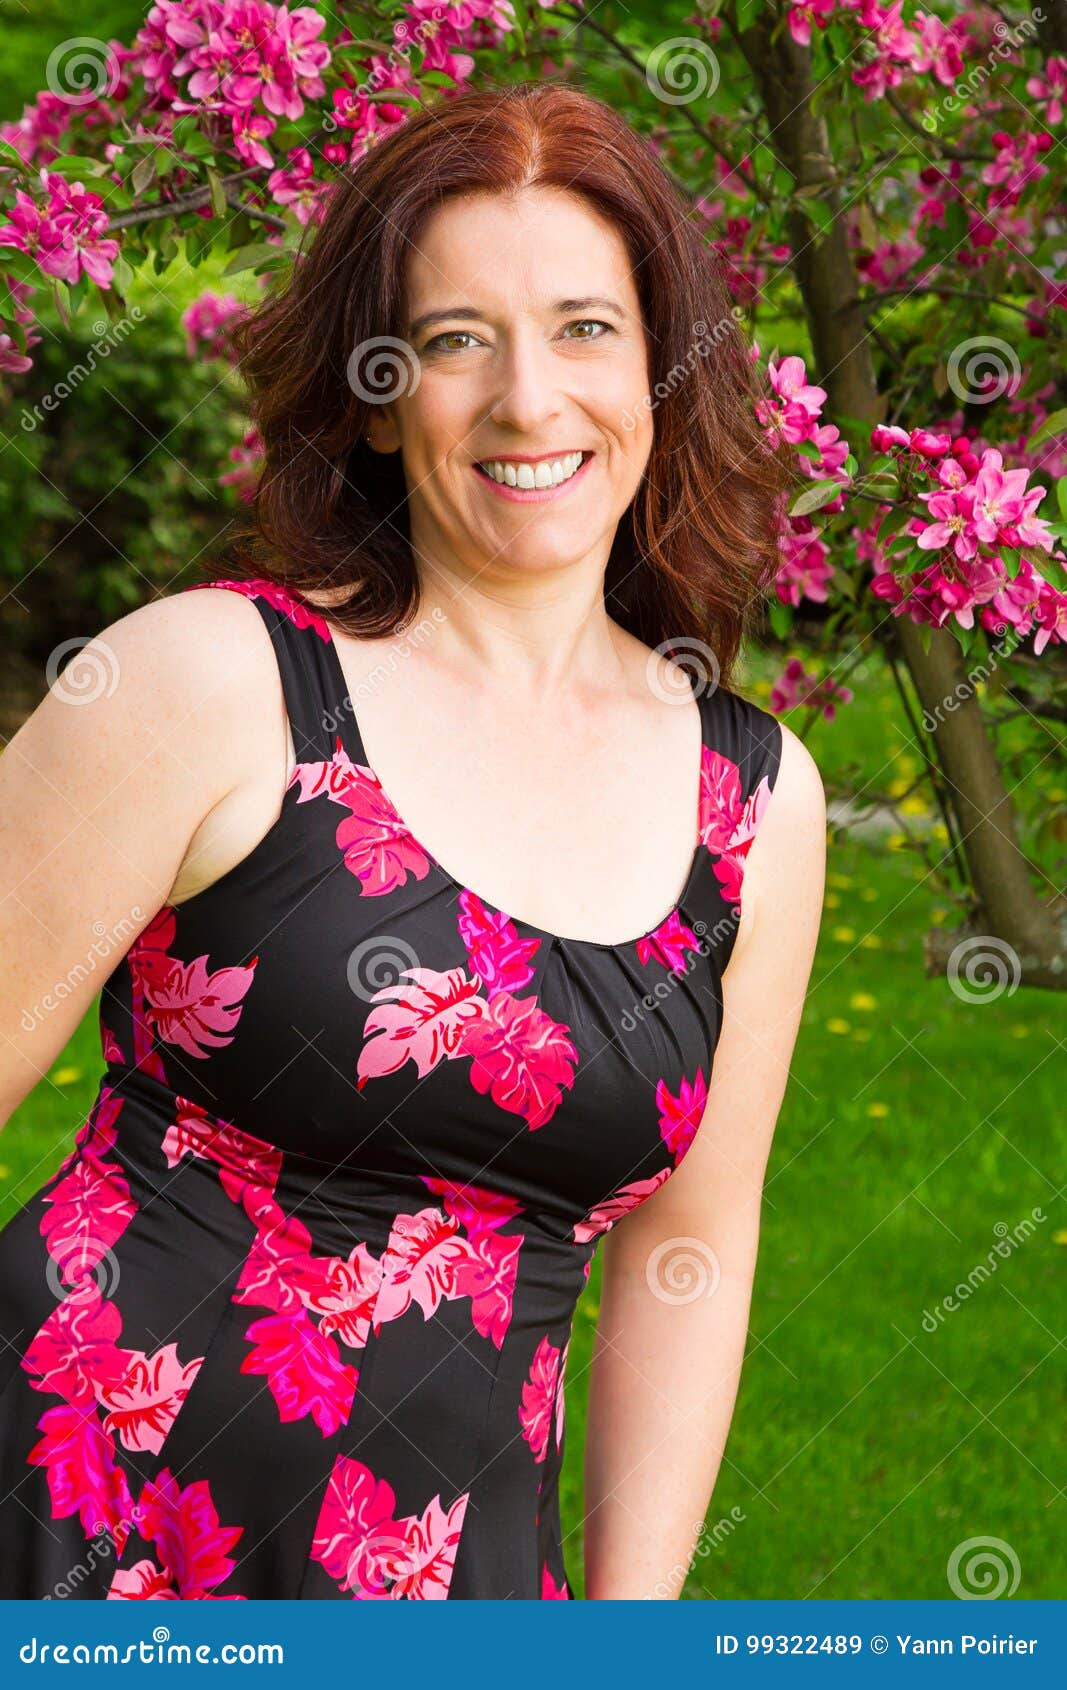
column 871, row 941
column 844, row 935
column 66, row 1076
column 836, row 1025
column 862, row 1000
column 878, row 1110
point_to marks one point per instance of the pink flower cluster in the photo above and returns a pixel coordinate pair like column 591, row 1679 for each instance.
column 435, row 30
column 805, row 570
column 896, row 49
column 796, row 686
column 978, row 509
column 247, row 60
column 12, row 361
column 1051, row 90
column 248, row 456
column 206, row 322
column 66, row 235
column 795, row 419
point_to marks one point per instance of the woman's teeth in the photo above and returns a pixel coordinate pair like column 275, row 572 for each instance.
column 548, row 473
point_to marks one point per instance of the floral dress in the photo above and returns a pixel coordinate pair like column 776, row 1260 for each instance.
column 292, row 1318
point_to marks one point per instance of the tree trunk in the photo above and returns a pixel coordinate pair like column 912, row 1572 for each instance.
column 1011, row 912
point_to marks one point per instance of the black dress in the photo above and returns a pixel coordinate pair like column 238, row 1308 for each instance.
column 292, row 1317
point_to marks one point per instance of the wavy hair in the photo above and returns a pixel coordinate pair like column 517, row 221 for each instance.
column 696, row 549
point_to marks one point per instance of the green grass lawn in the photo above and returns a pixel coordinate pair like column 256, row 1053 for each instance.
column 915, row 1128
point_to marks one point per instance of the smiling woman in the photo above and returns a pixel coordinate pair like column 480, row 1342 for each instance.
column 292, row 1319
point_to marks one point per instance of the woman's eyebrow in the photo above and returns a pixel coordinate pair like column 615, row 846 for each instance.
column 467, row 313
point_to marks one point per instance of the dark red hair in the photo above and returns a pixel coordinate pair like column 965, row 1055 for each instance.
column 697, row 548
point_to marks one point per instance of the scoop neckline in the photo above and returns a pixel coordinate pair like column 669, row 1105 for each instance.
column 359, row 755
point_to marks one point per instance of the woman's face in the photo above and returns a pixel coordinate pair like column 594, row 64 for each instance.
column 535, row 350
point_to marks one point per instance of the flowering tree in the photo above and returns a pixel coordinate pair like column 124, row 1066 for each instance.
column 880, row 185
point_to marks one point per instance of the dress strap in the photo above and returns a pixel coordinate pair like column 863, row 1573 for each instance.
column 312, row 682
column 742, row 755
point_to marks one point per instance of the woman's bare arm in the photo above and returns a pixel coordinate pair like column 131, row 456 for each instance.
column 103, row 789
column 666, row 1363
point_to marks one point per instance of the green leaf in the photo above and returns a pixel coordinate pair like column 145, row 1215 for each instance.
column 747, row 13
column 144, row 173
column 258, row 256
column 218, row 193
column 73, row 165
column 1061, row 496
column 780, row 617
column 813, row 498
column 1055, row 424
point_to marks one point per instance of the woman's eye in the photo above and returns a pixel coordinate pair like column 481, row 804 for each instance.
column 448, row 334
column 586, row 322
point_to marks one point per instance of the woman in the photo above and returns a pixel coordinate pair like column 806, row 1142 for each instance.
column 429, row 935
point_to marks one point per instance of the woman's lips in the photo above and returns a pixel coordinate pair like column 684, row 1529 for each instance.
column 533, row 495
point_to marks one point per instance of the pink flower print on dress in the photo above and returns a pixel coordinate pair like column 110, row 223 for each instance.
column 184, row 1526
column 355, row 1526
column 521, row 1057
column 195, row 1009
column 419, row 1265
column 628, row 1197
column 245, row 1163
column 668, row 943
column 303, row 1369
column 432, row 1538
column 487, row 1276
column 368, row 1551
column 475, row 1207
column 281, row 1273
column 143, row 1405
column 87, row 1210
column 75, row 1353
column 550, row 1590
column 730, row 869
column 679, row 1117
column 143, row 1582
column 376, row 842
column 299, row 612
column 426, row 1022
column 498, row 956
column 83, row 1476
column 538, row 1398
column 720, row 799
